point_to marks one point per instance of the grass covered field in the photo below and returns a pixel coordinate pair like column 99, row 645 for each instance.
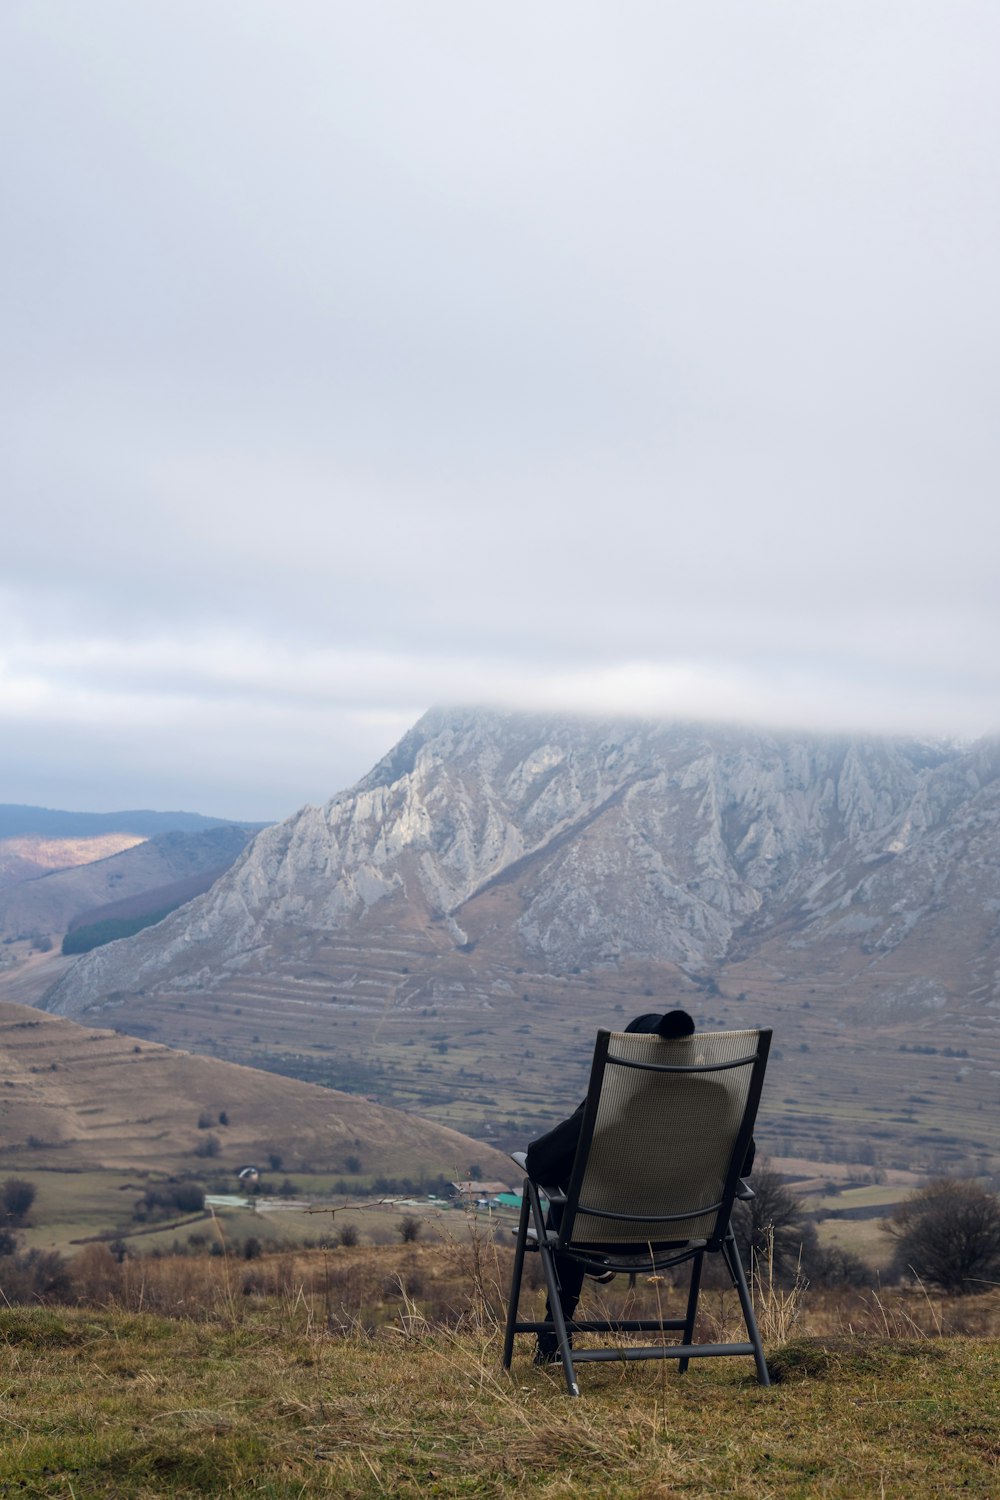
column 72, row 1209
column 373, row 1370
column 111, row 1404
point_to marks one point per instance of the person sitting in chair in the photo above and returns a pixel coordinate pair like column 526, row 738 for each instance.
column 549, row 1161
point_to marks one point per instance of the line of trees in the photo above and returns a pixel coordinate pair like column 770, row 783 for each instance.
column 110, row 929
column 947, row 1234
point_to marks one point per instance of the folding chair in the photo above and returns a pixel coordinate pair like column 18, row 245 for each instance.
column 665, row 1130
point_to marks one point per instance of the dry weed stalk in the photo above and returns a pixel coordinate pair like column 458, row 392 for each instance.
column 229, row 1297
column 477, row 1257
column 892, row 1318
column 776, row 1308
column 412, row 1323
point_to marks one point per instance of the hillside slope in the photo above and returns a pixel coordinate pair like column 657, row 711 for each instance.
column 27, row 856
column 53, row 903
column 73, row 1098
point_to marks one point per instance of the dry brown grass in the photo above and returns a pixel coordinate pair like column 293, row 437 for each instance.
column 375, row 1370
column 113, row 1405
column 460, row 1282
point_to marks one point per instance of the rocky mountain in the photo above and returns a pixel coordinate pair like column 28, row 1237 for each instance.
column 452, row 928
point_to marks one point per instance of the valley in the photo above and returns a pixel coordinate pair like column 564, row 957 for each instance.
column 95, row 1117
column 447, row 936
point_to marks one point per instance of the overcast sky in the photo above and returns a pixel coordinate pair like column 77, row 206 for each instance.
column 361, row 357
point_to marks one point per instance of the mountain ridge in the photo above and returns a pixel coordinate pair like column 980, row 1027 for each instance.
column 18, row 818
column 591, row 864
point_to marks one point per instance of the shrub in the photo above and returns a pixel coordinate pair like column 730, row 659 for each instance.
column 16, row 1199
column 948, row 1233
column 170, row 1198
column 36, row 1276
column 96, row 1274
column 348, row 1235
column 832, row 1265
column 208, row 1147
column 409, row 1229
column 189, row 1197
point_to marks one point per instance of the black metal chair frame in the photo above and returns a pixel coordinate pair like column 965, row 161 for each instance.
column 649, row 1258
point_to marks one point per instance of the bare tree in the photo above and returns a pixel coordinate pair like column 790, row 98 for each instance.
column 773, row 1222
column 948, row 1233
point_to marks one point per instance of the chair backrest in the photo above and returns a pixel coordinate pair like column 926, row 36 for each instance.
column 665, row 1131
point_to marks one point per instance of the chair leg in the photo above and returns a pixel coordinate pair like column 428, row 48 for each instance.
column 531, row 1207
column 558, row 1320
column 730, row 1251
column 515, row 1281
column 692, row 1305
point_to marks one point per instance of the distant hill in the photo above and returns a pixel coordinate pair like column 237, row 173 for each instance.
column 448, row 933
column 26, row 856
column 53, row 823
column 151, row 876
column 36, row 841
column 75, row 1098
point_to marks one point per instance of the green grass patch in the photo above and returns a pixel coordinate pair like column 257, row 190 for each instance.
column 73, row 1206
column 863, row 1237
column 872, row 1195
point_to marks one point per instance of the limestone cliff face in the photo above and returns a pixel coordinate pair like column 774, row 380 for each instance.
column 612, row 839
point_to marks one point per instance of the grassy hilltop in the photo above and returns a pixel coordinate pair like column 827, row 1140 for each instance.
column 376, row 1371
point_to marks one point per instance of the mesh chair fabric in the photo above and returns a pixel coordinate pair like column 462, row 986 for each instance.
column 663, row 1142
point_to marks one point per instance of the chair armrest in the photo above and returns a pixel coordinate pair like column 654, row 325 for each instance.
column 554, row 1195
column 745, row 1192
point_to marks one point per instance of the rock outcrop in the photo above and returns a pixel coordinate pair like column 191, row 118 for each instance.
column 632, row 840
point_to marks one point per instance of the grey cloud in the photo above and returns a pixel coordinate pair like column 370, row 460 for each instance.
column 555, row 340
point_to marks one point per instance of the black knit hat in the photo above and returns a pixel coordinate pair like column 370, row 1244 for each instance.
column 676, row 1023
